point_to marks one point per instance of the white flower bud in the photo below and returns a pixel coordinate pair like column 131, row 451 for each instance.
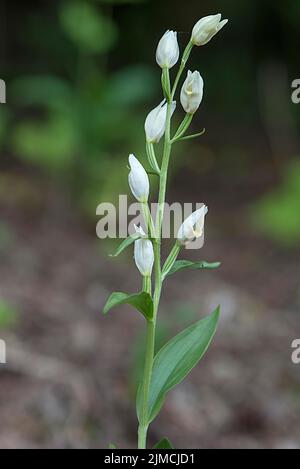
column 138, row 180
column 206, row 28
column 192, row 92
column 192, row 227
column 167, row 52
column 144, row 256
column 155, row 124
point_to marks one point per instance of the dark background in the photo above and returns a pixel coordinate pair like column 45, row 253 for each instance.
column 81, row 77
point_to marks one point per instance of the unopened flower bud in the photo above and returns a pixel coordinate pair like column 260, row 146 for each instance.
column 192, row 227
column 192, row 92
column 206, row 28
column 155, row 124
column 167, row 52
column 138, row 180
column 144, row 256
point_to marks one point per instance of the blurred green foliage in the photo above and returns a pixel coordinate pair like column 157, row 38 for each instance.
column 8, row 315
column 88, row 29
column 80, row 87
column 277, row 214
column 79, row 126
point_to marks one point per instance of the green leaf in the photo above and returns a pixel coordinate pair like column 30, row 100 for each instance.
column 127, row 242
column 112, row 446
column 175, row 360
column 183, row 264
column 141, row 301
column 189, row 137
column 163, row 444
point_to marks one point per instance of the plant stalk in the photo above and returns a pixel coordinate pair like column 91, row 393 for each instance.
column 150, row 343
column 151, row 325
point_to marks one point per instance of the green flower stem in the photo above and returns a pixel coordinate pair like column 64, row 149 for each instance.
column 184, row 59
column 151, row 325
column 150, row 344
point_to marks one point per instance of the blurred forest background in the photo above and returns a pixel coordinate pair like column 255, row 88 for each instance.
column 81, row 77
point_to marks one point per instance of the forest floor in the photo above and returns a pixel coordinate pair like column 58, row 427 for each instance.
column 70, row 376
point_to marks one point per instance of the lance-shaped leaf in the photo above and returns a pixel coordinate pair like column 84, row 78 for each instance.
column 141, row 301
column 183, row 264
column 175, row 360
column 127, row 242
column 190, row 137
column 164, row 443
